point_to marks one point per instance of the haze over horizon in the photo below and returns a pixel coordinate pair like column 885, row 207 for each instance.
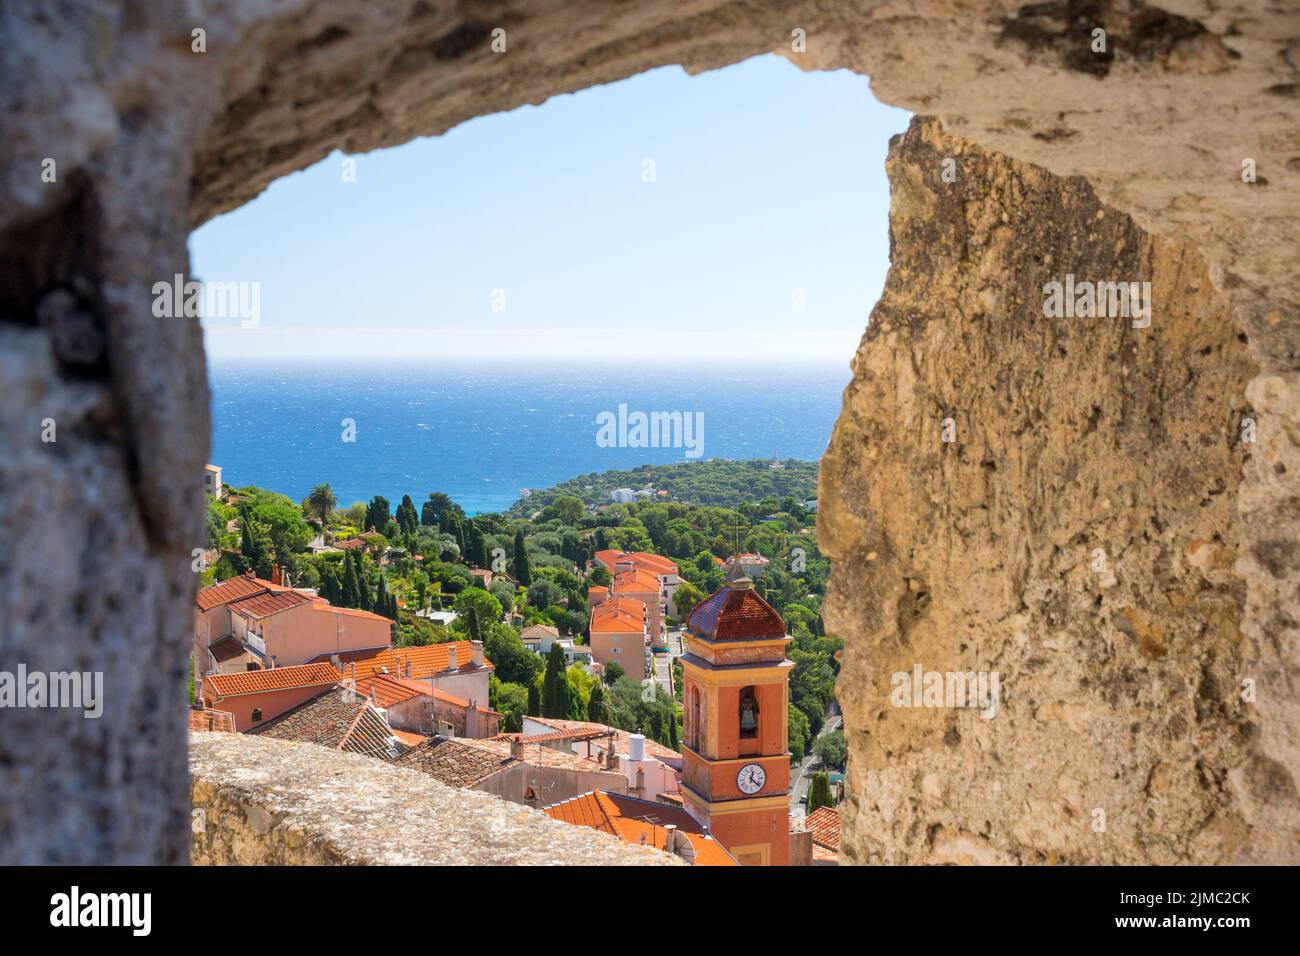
column 762, row 194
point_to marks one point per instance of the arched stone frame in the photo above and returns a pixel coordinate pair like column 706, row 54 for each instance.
column 157, row 141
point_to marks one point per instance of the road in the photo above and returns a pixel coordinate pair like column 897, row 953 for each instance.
column 801, row 775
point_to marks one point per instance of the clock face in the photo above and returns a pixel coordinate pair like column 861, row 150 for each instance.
column 751, row 778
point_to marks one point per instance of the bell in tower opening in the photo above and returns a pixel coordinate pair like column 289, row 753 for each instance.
column 748, row 713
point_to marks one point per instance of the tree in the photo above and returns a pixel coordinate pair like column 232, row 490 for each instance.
column 487, row 609
column 383, row 603
column 472, row 625
column 556, row 700
column 350, row 595
column 476, row 546
column 407, row 519
column 819, row 794
column 322, row 501
column 511, row 700
column 377, row 513
column 253, row 548
column 534, row 700
column 797, row 732
column 514, row 662
column 596, row 706
column 831, row 749
column 686, row 598
column 523, row 573
column 544, row 592
column 568, row 509
column 613, row 671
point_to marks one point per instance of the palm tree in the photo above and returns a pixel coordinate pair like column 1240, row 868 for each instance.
column 322, row 501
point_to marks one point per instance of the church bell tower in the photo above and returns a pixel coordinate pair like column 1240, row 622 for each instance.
column 736, row 761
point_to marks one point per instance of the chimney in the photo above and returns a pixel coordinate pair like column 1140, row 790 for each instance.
column 517, row 748
column 639, row 789
column 451, row 658
column 636, row 747
column 275, row 574
column 476, row 652
column 334, row 659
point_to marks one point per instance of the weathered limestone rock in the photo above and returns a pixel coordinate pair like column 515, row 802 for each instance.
column 150, row 138
column 262, row 802
column 1078, row 534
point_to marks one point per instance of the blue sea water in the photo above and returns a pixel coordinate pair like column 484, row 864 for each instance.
column 481, row 433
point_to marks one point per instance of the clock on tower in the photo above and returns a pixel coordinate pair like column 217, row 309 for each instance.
column 735, row 761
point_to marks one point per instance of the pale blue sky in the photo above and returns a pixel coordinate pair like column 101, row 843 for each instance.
column 768, row 180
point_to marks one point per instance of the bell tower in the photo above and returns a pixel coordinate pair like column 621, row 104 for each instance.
column 735, row 693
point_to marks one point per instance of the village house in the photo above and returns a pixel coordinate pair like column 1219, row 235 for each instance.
column 650, row 770
column 644, row 823
column 662, row 568
column 824, row 825
column 246, row 623
column 619, row 633
column 339, row 719
column 417, row 707
column 457, row 668
column 212, row 480
column 539, row 637
column 511, row 770
column 252, row 698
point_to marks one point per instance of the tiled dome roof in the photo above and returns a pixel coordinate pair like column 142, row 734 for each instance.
column 736, row 612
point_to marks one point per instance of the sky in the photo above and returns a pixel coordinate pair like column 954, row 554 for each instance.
column 534, row 235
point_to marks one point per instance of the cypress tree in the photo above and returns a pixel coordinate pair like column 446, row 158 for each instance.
column 555, row 684
column 596, row 706
column 674, row 740
column 472, row 624
column 381, row 599
column 365, row 600
column 534, row 700
column 350, row 594
column 523, row 573
column 819, row 794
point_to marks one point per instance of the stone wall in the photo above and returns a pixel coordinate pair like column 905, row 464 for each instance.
column 262, row 802
column 151, row 138
column 1077, row 533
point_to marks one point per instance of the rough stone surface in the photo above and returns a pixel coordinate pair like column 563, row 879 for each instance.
column 259, row 802
column 1078, row 535
column 151, row 139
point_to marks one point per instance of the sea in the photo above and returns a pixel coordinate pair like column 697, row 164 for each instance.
column 482, row 433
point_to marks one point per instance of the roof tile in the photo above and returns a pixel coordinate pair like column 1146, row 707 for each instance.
column 277, row 678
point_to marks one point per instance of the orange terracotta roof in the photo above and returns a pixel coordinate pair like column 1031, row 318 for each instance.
column 232, row 589
column 268, row 603
column 386, row 690
column 735, row 613
column 655, row 563
column 596, row 589
column 824, row 823
column 277, row 678
column 425, row 661
column 640, row 822
column 410, row 739
column 623, row 615
column 207, row 719
column 325, row 607
column 636, row 580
